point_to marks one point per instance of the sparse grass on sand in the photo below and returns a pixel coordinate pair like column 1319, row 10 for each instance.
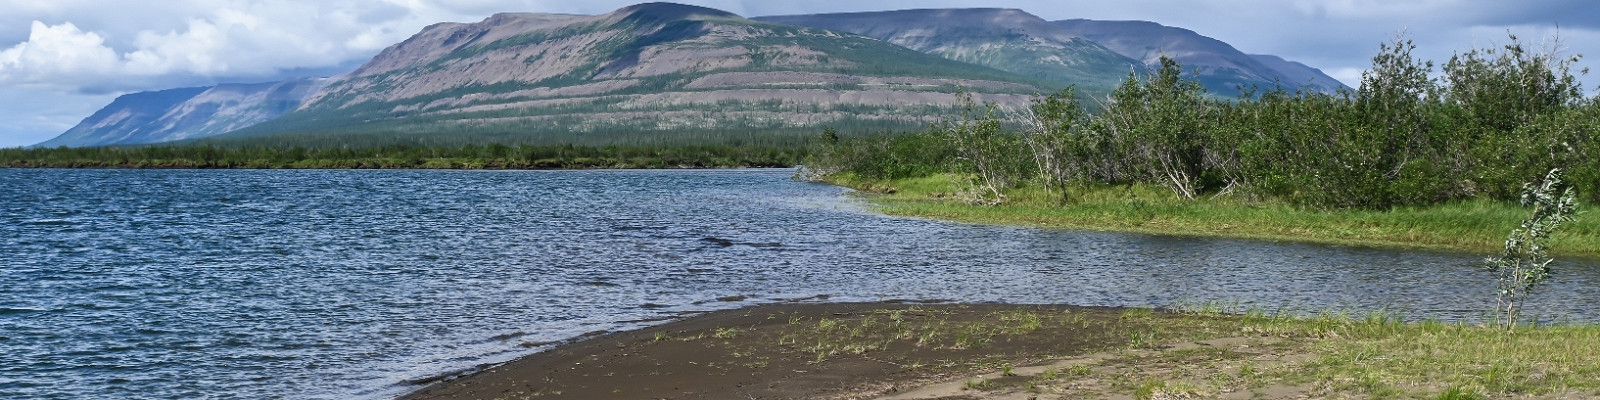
column 1471, row 225
column 983, row 351
column 1325, row 356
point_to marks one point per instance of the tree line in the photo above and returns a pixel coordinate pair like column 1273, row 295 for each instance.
column 1489, row 121
column 469, row 156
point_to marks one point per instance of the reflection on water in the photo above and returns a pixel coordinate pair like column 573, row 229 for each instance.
column 342, row 284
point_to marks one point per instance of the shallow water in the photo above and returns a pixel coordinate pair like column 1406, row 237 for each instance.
column 345, row 284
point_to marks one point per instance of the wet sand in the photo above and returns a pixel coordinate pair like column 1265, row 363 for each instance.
column 807, row 351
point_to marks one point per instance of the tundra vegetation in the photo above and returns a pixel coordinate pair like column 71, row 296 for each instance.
column 1500, row 138
column 1410, row 157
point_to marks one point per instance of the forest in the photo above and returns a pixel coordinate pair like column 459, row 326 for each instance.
column 1487, row 123
column 406, row 156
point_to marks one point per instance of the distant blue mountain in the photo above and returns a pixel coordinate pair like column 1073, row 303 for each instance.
column 128, row 119
column 1219, row 67
column 187, row 113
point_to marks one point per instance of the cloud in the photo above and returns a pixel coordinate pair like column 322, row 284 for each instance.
column 62, row 59
column 56, row 52
column 259, row 39
column 194, row 42
column 57, row 56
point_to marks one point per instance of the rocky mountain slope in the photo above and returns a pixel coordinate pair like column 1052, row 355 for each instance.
column 662, row 72
column 128, row 119
column 178, row 114
column 1221, row 68
column 654, row 67
column 1005, row 39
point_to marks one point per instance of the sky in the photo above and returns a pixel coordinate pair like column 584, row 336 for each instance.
column 61, row 60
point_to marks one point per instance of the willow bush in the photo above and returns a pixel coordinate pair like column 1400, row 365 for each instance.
column 1525, row 262
column 1492, row 120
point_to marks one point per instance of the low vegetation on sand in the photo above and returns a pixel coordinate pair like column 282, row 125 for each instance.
column 906, row 351
column 1324, row 356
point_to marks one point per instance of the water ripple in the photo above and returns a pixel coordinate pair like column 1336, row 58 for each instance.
column 348, row 284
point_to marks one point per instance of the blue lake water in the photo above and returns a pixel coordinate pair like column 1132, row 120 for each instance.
column 241, row 284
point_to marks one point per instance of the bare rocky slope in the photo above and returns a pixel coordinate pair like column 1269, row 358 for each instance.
column 178, row 114
column 669, row 73
column 1095, row 55
column 645, row 69
column 1007, row 39
column 128, row 119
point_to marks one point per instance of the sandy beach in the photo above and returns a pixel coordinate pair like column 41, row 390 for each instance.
column 819, row 351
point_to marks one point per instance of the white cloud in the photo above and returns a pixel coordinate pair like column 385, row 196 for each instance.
column 54, row 52
column 192, row 51
column 211, row 39
column 71, row 47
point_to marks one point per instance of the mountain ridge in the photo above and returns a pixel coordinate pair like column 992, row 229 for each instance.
column 1218, row 65
column 660, row 70
column 655, row 67
column 1299, row 74
column 186, row 113
column 1003, row 38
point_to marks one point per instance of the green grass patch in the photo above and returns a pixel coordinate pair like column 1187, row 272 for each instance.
column 1195, row 351
column 1384, row 358
column 1462, row 359
column 1335, row 355
column 1471, row 225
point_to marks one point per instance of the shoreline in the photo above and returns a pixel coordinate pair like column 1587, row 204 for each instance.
column 743, row 353
column 387, row 168
column 1467, row 227
column 911, row 351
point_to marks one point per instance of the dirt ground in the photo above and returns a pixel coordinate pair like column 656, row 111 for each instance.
column 884, row 350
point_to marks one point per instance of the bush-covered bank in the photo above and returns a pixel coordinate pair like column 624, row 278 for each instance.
column 1494, row 120
column 1476, row 225
column 492, row 156
column 1406, row 159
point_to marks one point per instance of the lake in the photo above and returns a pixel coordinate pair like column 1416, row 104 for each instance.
column 263, row 284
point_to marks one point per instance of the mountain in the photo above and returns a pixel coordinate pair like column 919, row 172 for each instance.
column 1296, row 72
column 128, row 119
column 1220, row 67
column 178, row 114
column 669, row 73
column 637, row 74
column 1005, row 39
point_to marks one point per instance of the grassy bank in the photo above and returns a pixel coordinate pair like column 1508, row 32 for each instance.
column 1477, row 225
column 1206, row 354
